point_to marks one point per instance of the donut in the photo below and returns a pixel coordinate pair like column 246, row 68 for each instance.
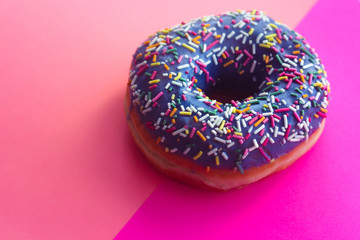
column 223, row 101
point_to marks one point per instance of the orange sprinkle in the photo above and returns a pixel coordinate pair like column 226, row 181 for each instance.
column 228, row 63
column 259, row 121
column 323, row 110
column 173, row 112
column 166, row 67
column 196, row 119
column 207, row 169
column 277, row 39
column 201, row 136
column 296, row 52
column 298, row 45
column 158, row 140
column 154, row 57
column 302, row 78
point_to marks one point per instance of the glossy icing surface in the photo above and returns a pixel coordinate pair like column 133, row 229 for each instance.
column 246, row 53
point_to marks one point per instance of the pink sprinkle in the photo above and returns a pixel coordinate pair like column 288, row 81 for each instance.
column 321, row 114
column 310, row 78
column 298, row 81
column 180, row 58
column 272, row 121
column 297, row 116
column 287, row 131
column 277, row 116
column 157, row 97
column 282, row 110
column 265, row 120
column 274, row 49
column 262, row 132
column 192, row 132
column 232, row 117
column 264, row 155
column 290, row 56
column 207, row 36
column 155, row 104
column 278, row 33
column 288, row 84
column 212, row 44
column 167, row 40
column 246, row 20
column 183, row 97
column 265, row 142
column 153, row 75
column 167, row 112
column 247, row 136
column 248, row 54
column 253, row 120
column 246, row 62
column 200, row 64
column 233, row 21
column 234, row 103
column 153, row 86
column 203, row 129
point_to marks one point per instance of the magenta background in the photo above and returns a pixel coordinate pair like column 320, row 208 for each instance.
column 316, row 198
column 69, row 169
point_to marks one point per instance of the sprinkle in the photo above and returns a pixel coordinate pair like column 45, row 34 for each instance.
column 201, row 136
column 198, row 155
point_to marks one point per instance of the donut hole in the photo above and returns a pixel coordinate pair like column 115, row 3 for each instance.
column 230, row 85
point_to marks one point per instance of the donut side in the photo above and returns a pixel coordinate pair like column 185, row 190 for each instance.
column 185, row 170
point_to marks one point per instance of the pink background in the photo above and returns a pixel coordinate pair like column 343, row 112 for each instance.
column 69, row 169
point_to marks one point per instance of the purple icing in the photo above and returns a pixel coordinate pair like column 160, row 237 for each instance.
column 243, row 52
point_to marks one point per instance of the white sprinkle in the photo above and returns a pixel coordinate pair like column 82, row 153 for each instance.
column 225, row 156
column 231, row 34
column 276, row 131
column 317, row 96
column 253, row 49
column 183, row 66
column 222, row 38
column 220, row 140
column 173, row 150
column 263, row 139
column 238, row 36
column 285, row 121
column 308, row 65
column 259, row 129
column 239, row 57
column 212, row 151
column 253, row 66
column 259, row 37
column 230, row 145
column 186, row 151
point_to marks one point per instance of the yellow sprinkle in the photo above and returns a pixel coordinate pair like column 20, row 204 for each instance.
column 268, row 66
column 178, row 76
column 301, row 70
column 282, row 78
column 173, row 97
column 238, row 133
column 228, row 63
column 201, row 136
column 198, row 155
column 166, row 67
column 270, row 36
column 273, row 25
column 155, row 64
column 207, row 25
column 162, row 36
column 305, row 96
column 251, row 31
column 318, row 84
column 188, row 47
column 222, row 125
column 264, row 45
column 253, row 12
column 320, row 71
column 259, row 121
column 173, row 112
column 217, row 162
column 175, row 39
column 185, row 113
column 269, row 83
column 196, row 119
column 154, row 81
column 166, row 149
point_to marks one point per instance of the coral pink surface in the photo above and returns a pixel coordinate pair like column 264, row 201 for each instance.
column 68, row 166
